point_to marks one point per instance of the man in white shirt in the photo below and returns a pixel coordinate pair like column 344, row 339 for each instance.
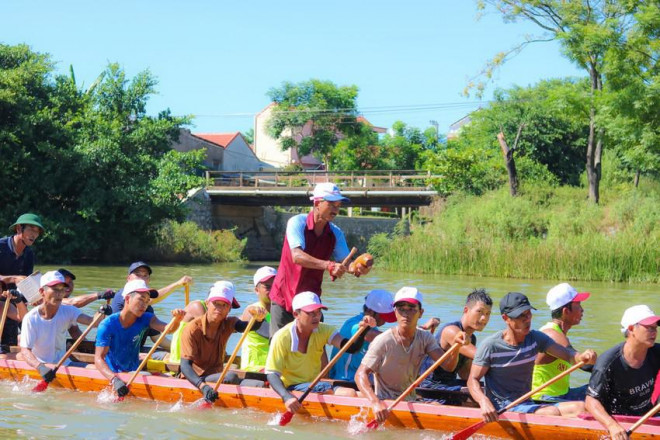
column 44, row 328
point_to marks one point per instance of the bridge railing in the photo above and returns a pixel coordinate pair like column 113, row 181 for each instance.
column 297, row 179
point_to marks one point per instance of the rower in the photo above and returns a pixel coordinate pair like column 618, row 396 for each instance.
column 80, row 300
column 623, row 378
column 312, row 245
column 140, row 270
column 17, row 262
column 476, row 314
column 203, row 341
column 395, row 355
column 506, row 361
column 566, row 311
column 116, row 347
column 193, row 310
column 294, row 358
column 44, row 328
column 380, row 305
column 255, row 348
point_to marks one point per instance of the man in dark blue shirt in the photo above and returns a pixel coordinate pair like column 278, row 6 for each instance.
column 17, row 262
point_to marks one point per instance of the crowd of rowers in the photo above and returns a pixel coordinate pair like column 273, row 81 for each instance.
column 288, row 342
column 382, row 363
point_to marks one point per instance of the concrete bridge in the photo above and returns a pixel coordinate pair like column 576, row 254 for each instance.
column 246, row 201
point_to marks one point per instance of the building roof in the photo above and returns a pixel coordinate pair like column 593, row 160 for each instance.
column 220, row 139
column 364, row 120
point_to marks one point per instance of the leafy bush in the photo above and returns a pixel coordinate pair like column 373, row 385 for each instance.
column 186, row 242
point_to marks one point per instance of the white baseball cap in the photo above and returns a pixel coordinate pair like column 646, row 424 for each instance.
column 223, row 291
column 328, row 191
column 138, row 285
column 381, row 302
column 307, row 302
column 640, row 314
column 52, row 278
column 562, row 294
column 408, row 294
column 263, row 273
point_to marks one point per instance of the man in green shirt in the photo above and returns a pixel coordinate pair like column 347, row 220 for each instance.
column 255, row 346
column 566, row 312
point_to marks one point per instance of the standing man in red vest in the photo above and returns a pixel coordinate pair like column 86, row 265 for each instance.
column 312, row 245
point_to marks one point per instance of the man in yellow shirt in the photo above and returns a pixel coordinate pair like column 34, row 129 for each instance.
column 566, row 311
column 294, row 357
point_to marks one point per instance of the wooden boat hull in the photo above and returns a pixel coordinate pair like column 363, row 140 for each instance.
column 405, row 415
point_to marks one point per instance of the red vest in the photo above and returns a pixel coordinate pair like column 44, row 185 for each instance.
column 292, row 278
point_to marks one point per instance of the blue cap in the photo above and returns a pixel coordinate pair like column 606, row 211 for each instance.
column 133, row 267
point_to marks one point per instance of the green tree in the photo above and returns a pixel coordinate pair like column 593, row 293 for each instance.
column 361, row 151
column 96, row 167
column 586, row 30
column 313, row 116
column 404, row 145
column 249, row 135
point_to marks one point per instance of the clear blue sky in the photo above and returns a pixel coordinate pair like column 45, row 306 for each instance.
column 217, row 59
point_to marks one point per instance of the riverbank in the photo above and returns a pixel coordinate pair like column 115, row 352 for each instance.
column 545, row 233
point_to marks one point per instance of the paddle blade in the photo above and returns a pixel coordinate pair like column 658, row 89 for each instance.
column 286, row 418
column 656, row 390
column 373, row 424
column 467, row 432
column 205, row 404
column 40, row 387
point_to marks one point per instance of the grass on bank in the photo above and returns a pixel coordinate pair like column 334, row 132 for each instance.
column 547, row 233
column 187, row 243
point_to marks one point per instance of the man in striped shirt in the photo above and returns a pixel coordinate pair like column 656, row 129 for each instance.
column 506, row 360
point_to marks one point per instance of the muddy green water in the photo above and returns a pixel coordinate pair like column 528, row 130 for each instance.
column 65, row 414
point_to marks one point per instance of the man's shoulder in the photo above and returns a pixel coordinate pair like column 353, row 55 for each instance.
column 298, row 220
column 31, row 315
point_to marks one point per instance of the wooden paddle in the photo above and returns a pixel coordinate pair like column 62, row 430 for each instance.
column 288, row 415
column 643, row 419
column 186, row 292
column 346, row 261
column 41, row 386
column 467, row 432
column 206, row 403
column 151, row 352
column 5, row 309
column 374, row 423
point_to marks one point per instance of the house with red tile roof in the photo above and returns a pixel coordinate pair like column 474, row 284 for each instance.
column 224, row 151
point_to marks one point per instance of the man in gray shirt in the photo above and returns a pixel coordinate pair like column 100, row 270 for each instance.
column 506, row 360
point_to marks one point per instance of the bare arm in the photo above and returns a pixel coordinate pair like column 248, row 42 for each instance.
column 570, row 355
column 488, row 411
column 101, row 364
column 163, row 292
column 30, row 357
column 157, row 324
column 378, row 407
column 593, row 405
column 80, row 300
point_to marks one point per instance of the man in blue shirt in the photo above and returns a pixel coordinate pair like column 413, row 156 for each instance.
column 119, row 336
column 379, row 304
column 17, row 262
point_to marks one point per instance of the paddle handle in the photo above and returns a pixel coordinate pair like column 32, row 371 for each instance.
column 526, row 396
column 646, row 416
column 426, row 374
column 153, row 349
column 186, row 292
column 234, row 353
column 97, row 319
column 5, row 310
column 347, row 260
column 333, row 361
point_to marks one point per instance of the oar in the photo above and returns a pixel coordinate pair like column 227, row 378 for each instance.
column 186, row 291
column 288, row 415
column 644, row 418
column 41, row 386
column 206, row 403
column 346, row 261
column 151, row 352
column 5, row 309
column 374, row 423
column 467, row 432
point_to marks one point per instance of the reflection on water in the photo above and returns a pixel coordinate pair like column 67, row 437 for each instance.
column 65, row 414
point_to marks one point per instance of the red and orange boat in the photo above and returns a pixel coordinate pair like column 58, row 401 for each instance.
column 405, row 415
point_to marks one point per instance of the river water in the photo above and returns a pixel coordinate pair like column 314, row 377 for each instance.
column 65, row 414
